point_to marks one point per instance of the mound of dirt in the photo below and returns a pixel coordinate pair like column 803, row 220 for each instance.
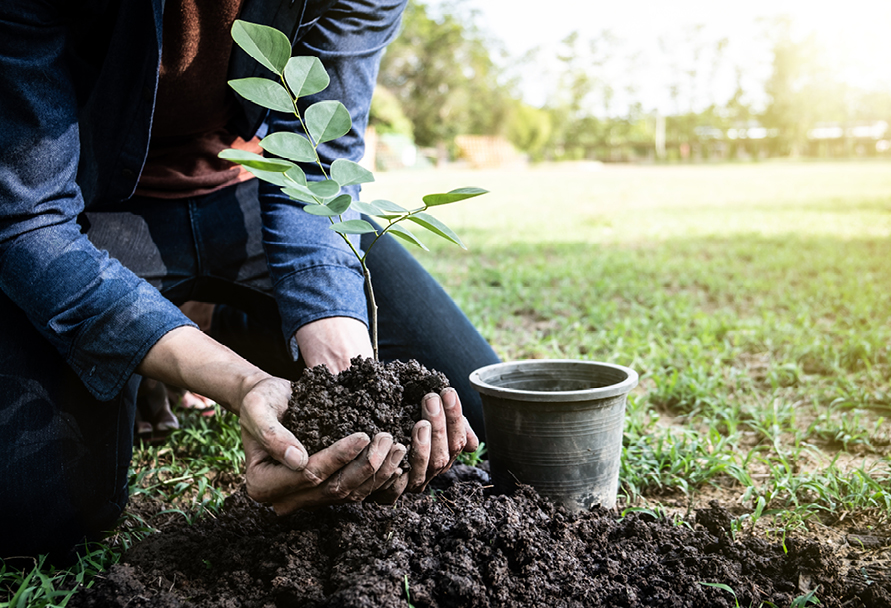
column 462, row 546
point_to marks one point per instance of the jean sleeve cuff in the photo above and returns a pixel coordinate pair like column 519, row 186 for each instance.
column 319, row 292
column 120, row 339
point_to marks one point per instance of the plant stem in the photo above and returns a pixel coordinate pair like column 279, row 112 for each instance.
column 314, row 145
column 372, row 306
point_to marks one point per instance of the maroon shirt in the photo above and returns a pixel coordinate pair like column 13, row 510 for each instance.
column 194, row 103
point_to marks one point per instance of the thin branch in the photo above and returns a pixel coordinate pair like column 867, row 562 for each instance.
column 315, row 146
column 390, row 225
column 373, row 310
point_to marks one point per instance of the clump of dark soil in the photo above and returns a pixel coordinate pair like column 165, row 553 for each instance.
column 370, row 397
column 465, row 547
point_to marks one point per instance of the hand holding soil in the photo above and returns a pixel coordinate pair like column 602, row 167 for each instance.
column 356, row 427
column 279, row 472
column 348, row 471
column 438, row 438
column 411, row 405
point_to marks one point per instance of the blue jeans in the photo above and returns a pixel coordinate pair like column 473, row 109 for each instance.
column 64, row 455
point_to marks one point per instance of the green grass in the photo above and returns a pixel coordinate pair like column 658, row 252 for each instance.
column 753, row 299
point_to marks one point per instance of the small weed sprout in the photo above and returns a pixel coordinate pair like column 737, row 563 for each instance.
column 657, row 512
column 723, row 587
column 802, row 601
column 738, row 524
column 473, row 458
column 322, row 122
column 407, row 593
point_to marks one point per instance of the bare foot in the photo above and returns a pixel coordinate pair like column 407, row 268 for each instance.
column 191, row 401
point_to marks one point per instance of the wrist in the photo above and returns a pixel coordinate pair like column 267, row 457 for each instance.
column 333, row 341
column 246, row 383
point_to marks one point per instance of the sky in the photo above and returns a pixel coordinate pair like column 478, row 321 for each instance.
column 857, row 33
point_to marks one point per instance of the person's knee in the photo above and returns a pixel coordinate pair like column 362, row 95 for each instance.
column 41, row 522
column 64, row 475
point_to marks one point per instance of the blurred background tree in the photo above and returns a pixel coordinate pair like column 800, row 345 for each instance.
column 387, row 115
column 442, row 72
column 444, row 76
column 804, row 90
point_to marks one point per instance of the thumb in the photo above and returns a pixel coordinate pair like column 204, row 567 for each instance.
column 274, row 439
column 259, row 418
column 295, row 457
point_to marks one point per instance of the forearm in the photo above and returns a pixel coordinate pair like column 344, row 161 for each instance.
column 188, row 358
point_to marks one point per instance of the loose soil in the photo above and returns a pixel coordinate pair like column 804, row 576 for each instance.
column 370, row 397
column 461, row 545
column 465, row 547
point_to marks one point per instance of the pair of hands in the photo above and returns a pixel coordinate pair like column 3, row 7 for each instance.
column 356, row 467
column 279, row 471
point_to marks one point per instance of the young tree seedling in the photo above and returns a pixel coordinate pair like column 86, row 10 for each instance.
column 322, row 122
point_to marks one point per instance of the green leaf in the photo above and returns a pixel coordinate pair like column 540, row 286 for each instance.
column 336, row 207
column 300, row 193
column 389, row 206
column 346, row 172
column 306, row 76
column 264, row 92
column 380, row 208
column 255, row 161
column 386, row 209
column 280, row 179
column 297, row 175
column 289, row 145
column 365, row 208
column 353, row 227
column 405, row 235
column 341, row 204
column 324, row 189
column 265, row 44
column 327, row 120
column 759, row 508
column 720, row 586
column 322, row 210
column 437, row 227
column 273, row 177
column 453, row 196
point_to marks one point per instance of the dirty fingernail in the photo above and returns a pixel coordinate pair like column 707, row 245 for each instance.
column 432, row 404
column 397, row 456
column 295, row 459
column 424, row 433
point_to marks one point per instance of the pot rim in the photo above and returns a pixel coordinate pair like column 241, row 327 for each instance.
column 603, row 392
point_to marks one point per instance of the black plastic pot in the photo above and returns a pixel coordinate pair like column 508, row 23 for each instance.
column 556, row 425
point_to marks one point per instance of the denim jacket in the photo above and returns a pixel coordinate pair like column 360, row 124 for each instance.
column 77, row 89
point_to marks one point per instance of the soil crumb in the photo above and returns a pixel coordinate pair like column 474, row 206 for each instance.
column 462, row 546
column 370, row 397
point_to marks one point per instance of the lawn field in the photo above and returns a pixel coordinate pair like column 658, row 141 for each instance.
column 754, row 300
